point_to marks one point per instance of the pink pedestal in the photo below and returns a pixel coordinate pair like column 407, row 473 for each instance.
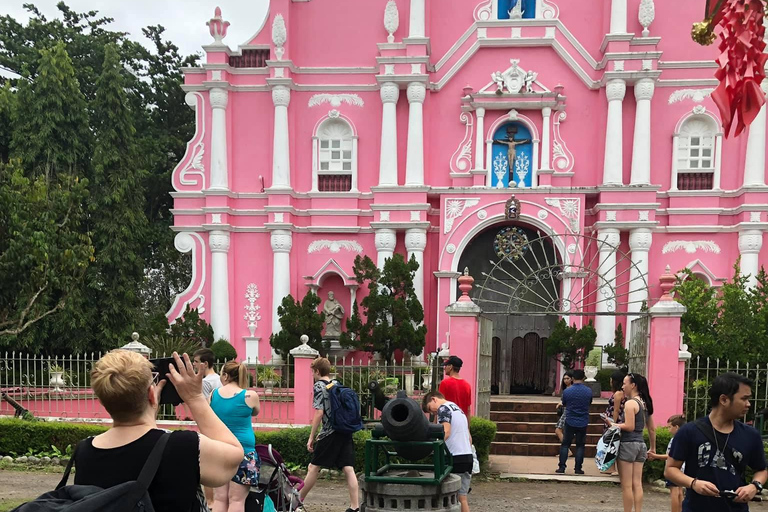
column 464, row 334
column 303, row 355
column 666, row 371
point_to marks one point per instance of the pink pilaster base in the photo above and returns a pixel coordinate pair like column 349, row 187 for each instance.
column 302, row 384
column 464, row 329
column 665, row 369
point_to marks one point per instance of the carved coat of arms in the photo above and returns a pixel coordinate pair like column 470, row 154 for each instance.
column 512, row 208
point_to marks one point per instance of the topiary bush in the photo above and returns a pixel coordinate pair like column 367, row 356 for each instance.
column 483, row 432
column 654, row 469
column 604, row 378
column 19, row 436
column 223, row 351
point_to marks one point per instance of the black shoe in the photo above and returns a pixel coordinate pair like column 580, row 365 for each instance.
column 560, row 471
column 353, row 510
column 578, row 471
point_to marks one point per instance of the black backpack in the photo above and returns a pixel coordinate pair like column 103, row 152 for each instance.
column 125, row 497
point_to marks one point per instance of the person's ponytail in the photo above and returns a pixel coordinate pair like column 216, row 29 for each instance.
column 643, row 390
column 242, row 376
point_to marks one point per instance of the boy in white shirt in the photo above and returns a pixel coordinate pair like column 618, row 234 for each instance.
column 457, row 438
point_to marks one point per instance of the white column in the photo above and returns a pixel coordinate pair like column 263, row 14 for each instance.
column 415, row 243
column 219, row 168
column 675, row 147
column 546, row 142
column 479, row 148
column 281, row 241
column 641, row 145
column 416, row 25
column 754, row 166
column 605, row 297
column 315, row 164
column 385, row 245
column 281, row 157
column 388, row 159
column 612, row 164
column 640, row 240
column 618, row 17
column 414, row 159
column 750, row 243
column 718, row 160
column 218, row 241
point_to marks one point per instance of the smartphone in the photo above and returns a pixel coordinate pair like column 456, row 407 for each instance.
column 603, row 416
column 729, row 494
column 169, row 394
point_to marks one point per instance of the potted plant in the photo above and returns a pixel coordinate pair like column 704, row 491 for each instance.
column 57, row 377
column 592, row 364
column 268, row 377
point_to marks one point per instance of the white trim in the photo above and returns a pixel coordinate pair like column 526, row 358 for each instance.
column 197, row 252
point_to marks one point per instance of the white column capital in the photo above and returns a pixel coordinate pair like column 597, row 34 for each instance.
column 546, row 111
column 416, row 92
column 609, row 239
column 750, row 241
column 415, row 239
column 218, row 97
column 615, row 89
column 644, row 89
column 281, row 240
column 640, row 240
column 218, row 241
column 390, row 92
column 480, row 112
column 385, row 240
column 281, row 96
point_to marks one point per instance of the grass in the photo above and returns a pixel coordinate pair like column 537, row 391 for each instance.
column 7, row 505
column 32, row 468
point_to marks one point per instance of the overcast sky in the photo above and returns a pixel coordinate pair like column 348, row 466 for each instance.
column 184, row 21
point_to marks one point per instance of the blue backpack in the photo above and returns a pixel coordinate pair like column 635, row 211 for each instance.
column 345, row 408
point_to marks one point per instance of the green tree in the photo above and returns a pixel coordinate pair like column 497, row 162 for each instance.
column 192, row 328
column 50, row 121
column 297, row 318
column 616, row 352
column 7, row 104
column 43, row 252
column 702, row 309
column 570, row 344
column 392, row 313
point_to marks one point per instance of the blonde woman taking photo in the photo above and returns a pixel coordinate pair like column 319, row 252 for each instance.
column 235, row 405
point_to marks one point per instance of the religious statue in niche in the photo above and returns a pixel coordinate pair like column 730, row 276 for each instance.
column 334, row 313
column 516, row 12
column 519, row 165
column 512, row 208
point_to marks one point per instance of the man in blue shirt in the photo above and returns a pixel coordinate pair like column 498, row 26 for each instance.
column 716, row 451
column 576, row 399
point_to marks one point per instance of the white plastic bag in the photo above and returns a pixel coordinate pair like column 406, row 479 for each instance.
column 608, row 448
column 475, row 462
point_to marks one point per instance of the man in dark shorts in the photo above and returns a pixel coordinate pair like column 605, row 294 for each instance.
column 716, row 451
column 333, row 450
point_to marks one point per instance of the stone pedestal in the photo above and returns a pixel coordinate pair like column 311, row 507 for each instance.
column 386, row 497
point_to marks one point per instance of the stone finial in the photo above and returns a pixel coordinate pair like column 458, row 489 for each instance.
column 667, row 282
column 217, row 26
column 465, row 285
column 279, row 35
column 135, row 346
column 645, row 15
column 391, row 20
column 304, row 351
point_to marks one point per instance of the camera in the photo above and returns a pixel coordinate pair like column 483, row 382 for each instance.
column 169, row 395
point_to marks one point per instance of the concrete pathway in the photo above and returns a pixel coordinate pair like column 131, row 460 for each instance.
column 543, row 468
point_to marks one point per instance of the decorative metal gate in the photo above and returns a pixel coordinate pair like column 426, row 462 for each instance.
column 484, row 361
column 640, row 333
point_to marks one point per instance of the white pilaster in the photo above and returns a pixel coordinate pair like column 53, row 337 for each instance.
column 414, row 159
column 218, row 241
column 281, row 159
column 385, row 245
column 750, row 243
column 281, row 241
column 388, row 159
column 618, row 17
column 480, row 139
column 612, row 164
column 640, row 240
column 415, row 243
column 546, row 142
column 605, row 299
column 641, row 145
column 754, row 166
column 219, row 169
column 416, row 25
column 718, row 160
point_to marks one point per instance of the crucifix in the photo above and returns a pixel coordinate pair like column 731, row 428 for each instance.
column 511, row 144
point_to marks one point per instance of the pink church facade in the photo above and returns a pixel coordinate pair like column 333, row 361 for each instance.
column 565, row 155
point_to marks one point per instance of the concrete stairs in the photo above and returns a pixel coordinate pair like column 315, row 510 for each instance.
column 527, row 427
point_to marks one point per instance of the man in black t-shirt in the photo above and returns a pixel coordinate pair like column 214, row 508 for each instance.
column 715, row 461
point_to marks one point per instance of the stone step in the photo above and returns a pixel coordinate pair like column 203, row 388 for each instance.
column 535, row 417
column 597, row 407
column 511, row 426
column 537, row 437
column 538, row 450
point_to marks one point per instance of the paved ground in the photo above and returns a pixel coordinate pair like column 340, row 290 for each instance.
column 543, row 468
column 495, row 496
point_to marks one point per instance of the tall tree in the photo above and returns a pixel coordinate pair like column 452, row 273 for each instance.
column 118, row 223
column 50, row 121
column 299, row 317
column 7, row 103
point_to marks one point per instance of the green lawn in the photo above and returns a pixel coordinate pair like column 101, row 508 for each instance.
column 6, row 505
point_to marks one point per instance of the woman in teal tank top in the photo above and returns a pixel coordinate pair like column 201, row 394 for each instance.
column 235, row 405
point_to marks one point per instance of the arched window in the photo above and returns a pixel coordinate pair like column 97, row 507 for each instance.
column 696, row 154
column 334, row 157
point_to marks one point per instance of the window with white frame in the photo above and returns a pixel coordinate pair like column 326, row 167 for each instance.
column 336, row 157
column 695, row 158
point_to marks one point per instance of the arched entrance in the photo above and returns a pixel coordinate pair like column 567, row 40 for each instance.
column 524, row 286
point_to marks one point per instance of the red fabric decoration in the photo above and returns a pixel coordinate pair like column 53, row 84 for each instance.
column 741, row 62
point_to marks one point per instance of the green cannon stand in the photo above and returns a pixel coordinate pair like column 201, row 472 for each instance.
column 441, row 467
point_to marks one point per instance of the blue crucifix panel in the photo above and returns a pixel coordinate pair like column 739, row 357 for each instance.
column 512, row 141
column 528, row 7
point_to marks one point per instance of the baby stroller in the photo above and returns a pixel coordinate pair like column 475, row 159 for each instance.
column 281, row 486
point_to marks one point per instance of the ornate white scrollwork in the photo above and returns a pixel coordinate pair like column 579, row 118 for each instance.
column 336, row 100
column 416, row 239
column 281, row 96
column 281, row 240
column 279, row 35
column 562, row 158
column 192, row 163
column 416, row 92
column 191, row 242
column 696, row 95
column 691, row 246
column 454, row 208
column 461, row 160
column 750, row 241
column 219, row 241
column 484, row 11
column 389, row 92
column 646, row 15
column 252, row 314
column 391, row 20
column 385, row 240
column 219, row 97
column 644, row 89
column 335, row 246
column 615, row 89
column 548, row 10
column 569, row 208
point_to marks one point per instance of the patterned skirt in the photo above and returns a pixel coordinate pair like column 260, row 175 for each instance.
column 248, row 471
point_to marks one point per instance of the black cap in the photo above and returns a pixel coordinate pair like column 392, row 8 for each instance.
column 453, row 361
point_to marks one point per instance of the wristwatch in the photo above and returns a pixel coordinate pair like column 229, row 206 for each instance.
column 758, row 486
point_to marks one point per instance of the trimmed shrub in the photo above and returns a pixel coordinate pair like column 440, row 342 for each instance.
column 604, row 378
column 224, row 351
column 483, row 432
column 654, row 469
column 19, row 436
